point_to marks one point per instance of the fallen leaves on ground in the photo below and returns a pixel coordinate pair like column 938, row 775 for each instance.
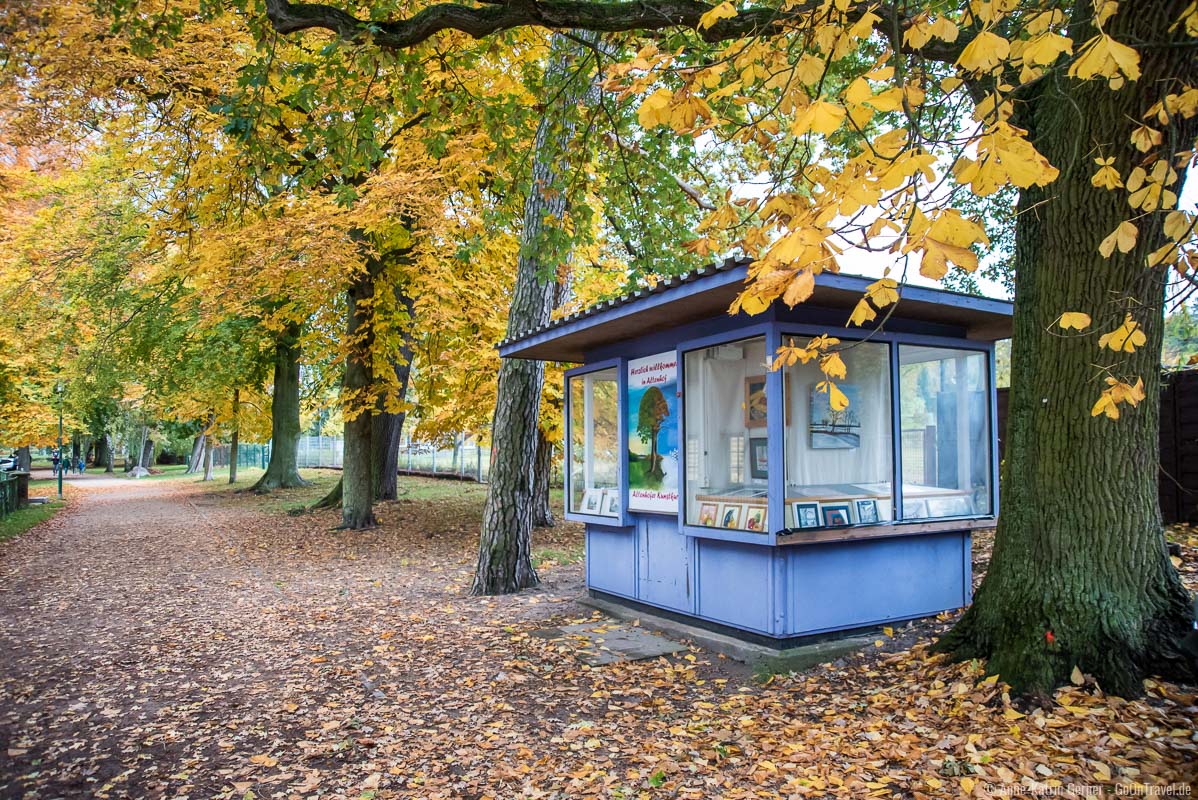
column 160, row 640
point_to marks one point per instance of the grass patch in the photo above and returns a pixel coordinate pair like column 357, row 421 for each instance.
column 23, row 519
column 558, row 556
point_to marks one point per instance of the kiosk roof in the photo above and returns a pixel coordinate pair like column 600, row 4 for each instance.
column 708, row 292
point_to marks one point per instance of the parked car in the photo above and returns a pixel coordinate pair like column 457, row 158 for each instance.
column 8, row 464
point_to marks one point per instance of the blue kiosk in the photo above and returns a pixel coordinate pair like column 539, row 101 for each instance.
column 722, row 492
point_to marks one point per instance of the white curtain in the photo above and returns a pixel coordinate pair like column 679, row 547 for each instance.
column 868, row 367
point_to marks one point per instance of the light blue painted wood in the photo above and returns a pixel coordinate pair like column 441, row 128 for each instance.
column 665, row 577
column 612, row 559
column 735, row 584
column 775, row 426
column 873, row 581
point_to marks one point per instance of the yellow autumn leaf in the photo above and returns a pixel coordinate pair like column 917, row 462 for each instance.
column 722, row 11
column 1076, row 677
column 820, row 117
column 799, row 288
column 654, row 110
column 1103, row 57
column 1126, row 338
column 883, row 292
column 1107, row 176
column 1123, row 237
column 863, row 312
column 1074, row 319
column 985, row 53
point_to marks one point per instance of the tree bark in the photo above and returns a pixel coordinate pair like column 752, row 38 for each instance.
column 147, row 449
column 542, row 508
column 357, row 487
column 388, row 426
column 103, row 452
column 24, row 460
column 505, row 546
column 235, row 437
column 1080, row 574
column 208, row 453
column 282, row 471
column 198, row 446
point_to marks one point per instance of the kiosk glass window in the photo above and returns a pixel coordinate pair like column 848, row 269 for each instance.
column 840, row 462
column 725, row 413
column 945, row 412
column 594, row 444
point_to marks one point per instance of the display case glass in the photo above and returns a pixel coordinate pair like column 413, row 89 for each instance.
column 840, row 462
column 725, row 424
column 593, row 474
column 945, row 412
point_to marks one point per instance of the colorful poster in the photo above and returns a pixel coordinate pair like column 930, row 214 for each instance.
column 653, row 434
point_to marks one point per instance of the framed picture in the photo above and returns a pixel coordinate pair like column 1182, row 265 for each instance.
column 611, row 503
column 867, row 511
column 709, row 514
column 730, row 515
column 755, row 401
column 755, row 519
column 915, row 509
column 835, row 430
column 956, row 505
column 836, row 515
column 592, row 501
column 759, row 458
column 806, row 515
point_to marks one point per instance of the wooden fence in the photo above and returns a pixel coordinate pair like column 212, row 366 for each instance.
column 1179, row 444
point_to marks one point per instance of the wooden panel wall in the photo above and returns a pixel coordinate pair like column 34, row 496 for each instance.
column 1179, row 444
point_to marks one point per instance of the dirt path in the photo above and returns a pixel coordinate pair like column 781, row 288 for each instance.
column 156, row 640
column 160, row 640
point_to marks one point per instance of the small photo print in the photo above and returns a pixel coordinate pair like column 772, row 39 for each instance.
column 915, row 509
column 730, row 516
column 709, row 514
column 592, row 501
column 867, row 511
column 755, row 519
column 611, row 503
column 806, row 515
column 836, row 515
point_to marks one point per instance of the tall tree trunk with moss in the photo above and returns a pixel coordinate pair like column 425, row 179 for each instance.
column 1080, row 575
column 282, row 471
column 505, row 547
column 357, row 483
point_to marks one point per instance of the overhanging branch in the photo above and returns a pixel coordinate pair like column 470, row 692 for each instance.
column 288, row 17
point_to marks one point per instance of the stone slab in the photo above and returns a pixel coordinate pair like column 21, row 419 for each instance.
column 609, row 641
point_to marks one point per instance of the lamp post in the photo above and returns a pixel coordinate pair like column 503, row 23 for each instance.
column 58, row 389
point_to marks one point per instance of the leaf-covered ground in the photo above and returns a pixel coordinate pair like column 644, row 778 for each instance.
column 171, row 639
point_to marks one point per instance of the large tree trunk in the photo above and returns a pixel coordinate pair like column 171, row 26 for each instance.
column 103, row 452
column 198, row 446
column 542, row 508
column 235, row 437
column 282, row 471
column 357, row 488
column 1080, row 574
column 388, row 426
column 24, row 460
column 505, row 546
column 147, row 450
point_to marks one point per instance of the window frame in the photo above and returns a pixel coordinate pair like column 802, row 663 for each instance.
column 775, row 332
column 773, row 378
column 623, row 519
